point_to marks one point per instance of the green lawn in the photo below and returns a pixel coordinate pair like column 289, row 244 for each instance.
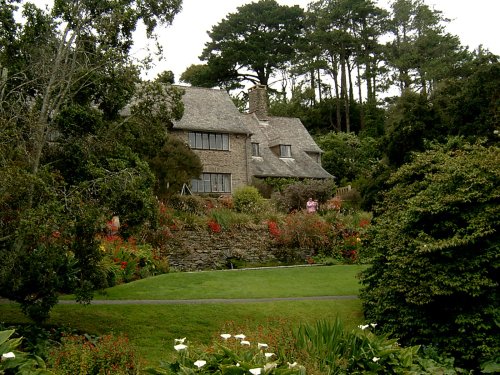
column 257, row 283
column 153, row 328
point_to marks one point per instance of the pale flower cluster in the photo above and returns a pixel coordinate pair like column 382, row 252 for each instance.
column 180, row 346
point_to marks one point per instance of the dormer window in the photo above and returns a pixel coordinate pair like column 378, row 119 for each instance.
column 255, row 149
column 285, row 151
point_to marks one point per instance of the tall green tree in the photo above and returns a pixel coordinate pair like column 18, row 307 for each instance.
column 421, row 53
column 469, row 100
column 435, row 243
column 252, row 44
column 345, row 34
column 65, row 77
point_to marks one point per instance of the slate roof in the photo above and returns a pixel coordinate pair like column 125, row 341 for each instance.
column 212, row 110
column 285, row 131
column 209, row 110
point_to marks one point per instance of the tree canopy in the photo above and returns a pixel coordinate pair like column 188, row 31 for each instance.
column 68, row 158
column 250, row 45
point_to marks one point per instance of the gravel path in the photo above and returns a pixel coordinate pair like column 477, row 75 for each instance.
column 201, row 301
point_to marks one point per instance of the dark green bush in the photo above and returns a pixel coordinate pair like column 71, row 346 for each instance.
column 434, row 279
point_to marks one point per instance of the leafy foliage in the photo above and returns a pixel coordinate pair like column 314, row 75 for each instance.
column 250, row 45
column 340, row 351
column 230, row 355
column 434, row 278
column 294, row 196
column 67, row 171
column 247, row 199
column 174, row 165
column 14, row 361
column 348, row 156
column 94, row 355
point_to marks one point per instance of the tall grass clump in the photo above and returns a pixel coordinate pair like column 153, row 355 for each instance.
column 332, row 349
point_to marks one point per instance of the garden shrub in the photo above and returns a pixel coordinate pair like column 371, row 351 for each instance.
column 187, row 203
column 86, row 355
column 247, row 199
column 294, row 196
column 434, row 277
column 126, row 260
column 303, row 230
column 331, row 236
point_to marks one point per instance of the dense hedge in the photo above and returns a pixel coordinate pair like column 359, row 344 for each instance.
column 434, row 279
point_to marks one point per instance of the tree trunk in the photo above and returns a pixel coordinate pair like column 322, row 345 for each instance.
column 360, row 98
column 343, row 90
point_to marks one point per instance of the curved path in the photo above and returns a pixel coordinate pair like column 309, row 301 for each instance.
column 197, row 301
column 207, row 301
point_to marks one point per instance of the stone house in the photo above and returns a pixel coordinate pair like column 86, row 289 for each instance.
column 237, row 148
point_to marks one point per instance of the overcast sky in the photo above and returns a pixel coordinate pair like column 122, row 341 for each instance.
column 474, row 22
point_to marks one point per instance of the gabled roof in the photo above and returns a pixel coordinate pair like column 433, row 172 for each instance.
column 283, row 131
column 209, row 110
column 212, row 110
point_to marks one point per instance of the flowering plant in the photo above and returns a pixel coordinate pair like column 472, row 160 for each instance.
column 214, row 226
column 127, row 260
column 234, row 354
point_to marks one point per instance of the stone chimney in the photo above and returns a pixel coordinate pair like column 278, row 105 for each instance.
column 257, row 101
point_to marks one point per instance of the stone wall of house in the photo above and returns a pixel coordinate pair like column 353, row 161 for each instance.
column 235, row 161
column 202, row 249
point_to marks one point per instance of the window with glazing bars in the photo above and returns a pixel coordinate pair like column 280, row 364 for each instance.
column 212, row 183
column 209, row 141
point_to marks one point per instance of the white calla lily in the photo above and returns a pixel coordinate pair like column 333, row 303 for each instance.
column 241, row 336
column 244, row 342
column 262, row 345
column 8, row 355
column 270, row 366
column 180, row 347
column 225, row 336
column 255, row 371
column 200, row 363
column 180, row 341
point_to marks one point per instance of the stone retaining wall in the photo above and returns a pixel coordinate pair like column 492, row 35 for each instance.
column 191, row 250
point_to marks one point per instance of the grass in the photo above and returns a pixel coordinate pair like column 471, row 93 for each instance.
column 153, row 328
column 258, row 283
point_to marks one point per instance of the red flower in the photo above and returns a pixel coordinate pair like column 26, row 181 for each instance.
column 214, row 226
column 123, row 265
column 273, row 229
